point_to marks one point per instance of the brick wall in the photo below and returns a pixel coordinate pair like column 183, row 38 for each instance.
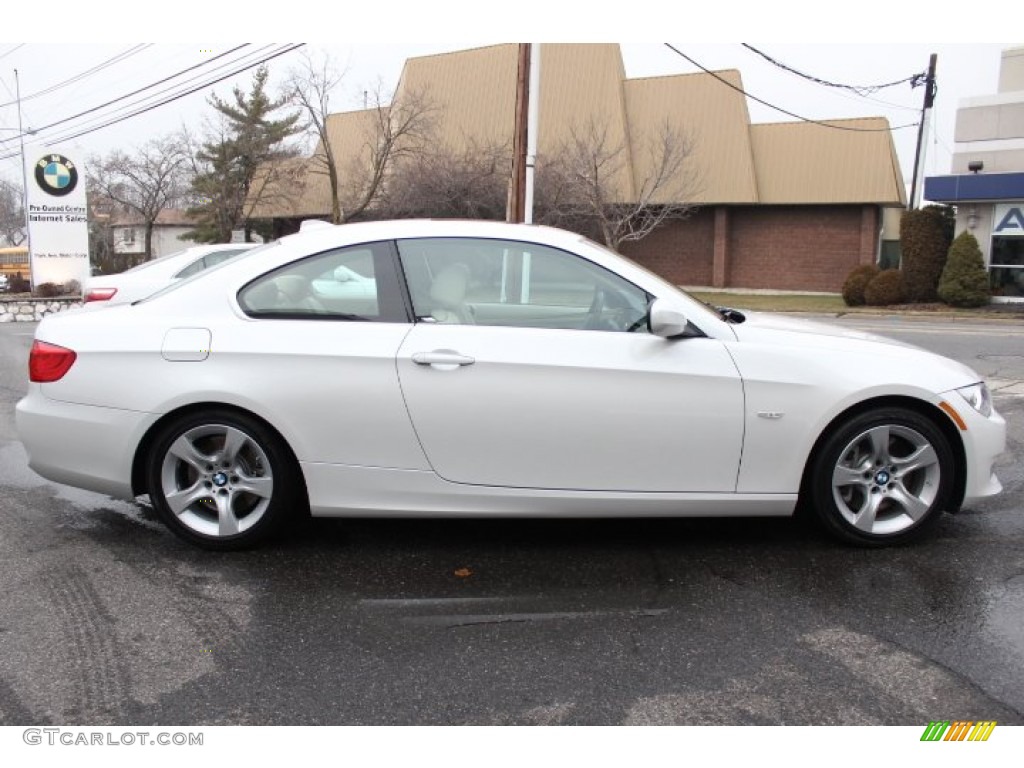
column 808, row 248
column 680, row 251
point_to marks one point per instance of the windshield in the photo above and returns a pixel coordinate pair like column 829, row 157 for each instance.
column 701, row 305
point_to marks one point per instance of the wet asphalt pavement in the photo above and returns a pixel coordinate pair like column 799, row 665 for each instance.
column 106, row 618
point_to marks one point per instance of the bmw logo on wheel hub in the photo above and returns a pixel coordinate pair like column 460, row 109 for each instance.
column 882, row 478
column 220, row 479
column 56, row 175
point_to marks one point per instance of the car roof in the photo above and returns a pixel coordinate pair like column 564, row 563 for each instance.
column 397, row 229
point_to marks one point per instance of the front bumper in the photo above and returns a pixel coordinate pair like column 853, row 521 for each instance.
column 984, row 439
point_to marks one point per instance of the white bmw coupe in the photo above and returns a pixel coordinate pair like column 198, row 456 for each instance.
column 477, row 368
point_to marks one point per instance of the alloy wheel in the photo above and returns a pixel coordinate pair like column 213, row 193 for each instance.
column 886, row 480
column 217, row 480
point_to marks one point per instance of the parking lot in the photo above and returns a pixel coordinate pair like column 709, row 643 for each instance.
column 106, row 618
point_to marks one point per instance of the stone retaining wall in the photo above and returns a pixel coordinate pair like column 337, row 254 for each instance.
column 29, row 310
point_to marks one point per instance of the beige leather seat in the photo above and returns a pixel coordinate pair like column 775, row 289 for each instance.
column 265, row 297
column 297, row 294
column 448, row 294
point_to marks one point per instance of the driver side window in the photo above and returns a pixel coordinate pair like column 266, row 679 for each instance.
column 509, row 283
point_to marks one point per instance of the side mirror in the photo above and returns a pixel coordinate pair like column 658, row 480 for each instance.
column 666, row 320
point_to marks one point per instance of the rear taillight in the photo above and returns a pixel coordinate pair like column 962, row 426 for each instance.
column 100, row 294
column 48, row 362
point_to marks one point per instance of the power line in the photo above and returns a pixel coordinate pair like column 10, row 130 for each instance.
column 117, row 118
column 82, row 75
column 25, row 114
column 8, row 53
column 148, row 98
column 137, row 91
column 175, row 97
column 780, row 109
column 860, row 98
column 861, row 90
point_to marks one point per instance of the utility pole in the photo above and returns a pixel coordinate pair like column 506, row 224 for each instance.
column 532, row 118
column 517, row 191
column 24, row 181
column 917, row 184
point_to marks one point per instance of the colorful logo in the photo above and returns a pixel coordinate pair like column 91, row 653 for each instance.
column 958, row 730
column 56, row 175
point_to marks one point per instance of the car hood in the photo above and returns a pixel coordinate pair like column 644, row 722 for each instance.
column 772, row 322
column 860, row 355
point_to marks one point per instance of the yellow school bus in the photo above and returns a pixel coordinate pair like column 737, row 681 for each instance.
column 14, row 260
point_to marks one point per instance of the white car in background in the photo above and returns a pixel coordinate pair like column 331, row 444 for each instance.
column 493, row 369
column 151, row 276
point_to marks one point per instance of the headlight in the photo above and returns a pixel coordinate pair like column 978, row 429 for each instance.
column 978, row 397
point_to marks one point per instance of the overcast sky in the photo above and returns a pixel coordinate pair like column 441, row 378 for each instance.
column 964, row 69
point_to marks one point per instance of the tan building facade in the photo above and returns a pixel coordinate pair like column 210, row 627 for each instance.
column 784, row 205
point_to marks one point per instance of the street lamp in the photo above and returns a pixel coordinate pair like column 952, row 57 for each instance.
column 24, row 181
column 24, row 171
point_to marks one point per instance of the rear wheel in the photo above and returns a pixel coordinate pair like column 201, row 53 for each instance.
column 221, row 480
column 883, row 477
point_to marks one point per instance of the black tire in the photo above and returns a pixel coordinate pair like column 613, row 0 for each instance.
column 222, row 480
column 866, row 487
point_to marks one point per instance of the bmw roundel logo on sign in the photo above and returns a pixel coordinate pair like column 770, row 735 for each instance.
column 56, row 175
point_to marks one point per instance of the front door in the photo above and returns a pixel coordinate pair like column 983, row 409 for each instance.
column 531, row 367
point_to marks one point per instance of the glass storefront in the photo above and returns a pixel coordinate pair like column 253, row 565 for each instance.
column 1007, row 270
column 1006, row 265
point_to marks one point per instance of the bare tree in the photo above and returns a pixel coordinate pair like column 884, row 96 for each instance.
column 394, row 130
column 144, row 182
column 310, row 89
column 12, row 213
column 397, row 132
column 585, row 184
column 471, row 183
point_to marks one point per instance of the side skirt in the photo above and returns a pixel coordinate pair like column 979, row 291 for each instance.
column 345, row 491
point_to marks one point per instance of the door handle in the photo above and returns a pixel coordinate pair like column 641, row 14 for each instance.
column 448, row 358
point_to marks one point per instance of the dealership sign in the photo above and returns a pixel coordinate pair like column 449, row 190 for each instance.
column 58, row 228
column 1009, row 220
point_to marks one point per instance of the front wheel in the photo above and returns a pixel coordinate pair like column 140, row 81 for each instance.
column 221, row 480
column 883, row 477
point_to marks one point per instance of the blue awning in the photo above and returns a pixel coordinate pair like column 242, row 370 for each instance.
column 974, row 187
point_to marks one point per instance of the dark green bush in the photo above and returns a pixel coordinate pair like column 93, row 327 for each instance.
column 888, row 287
column 856, row 282
column 964, row 280
column 924, row 243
